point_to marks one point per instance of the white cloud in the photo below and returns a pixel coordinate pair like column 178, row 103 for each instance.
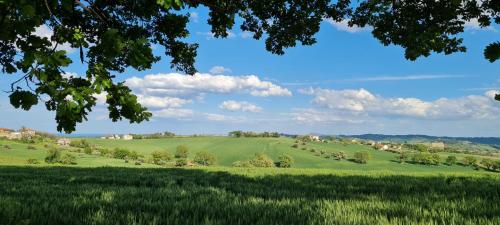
column 362, row 103
column 313, row 116
column 174, row 84
column 162, row 102
column 409, row 77
column 174, row 113
column 344, row 26
column 101, row 98
column 240, row 106
column 193, row 16
column 222, row 118
column 68, row 75
column 44, row 32
column 473, row 25
column 211, row 36
column 219, row 70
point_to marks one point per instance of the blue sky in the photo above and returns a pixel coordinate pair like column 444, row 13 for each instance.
column 347, row 83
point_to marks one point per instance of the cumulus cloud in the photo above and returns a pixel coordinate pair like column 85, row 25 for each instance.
column 44, row 32
column 344, row 26
column 219, row 70
column 239, row 106
column 222, row 118
column 363, row 103
column 174, row 84
column 473, row 25
column 174, row 113
column 162, row 102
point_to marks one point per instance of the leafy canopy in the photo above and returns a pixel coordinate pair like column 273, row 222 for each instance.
column 114, row 35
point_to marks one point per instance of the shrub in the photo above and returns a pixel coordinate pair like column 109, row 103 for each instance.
column 204, row 158
column 7, row 147
column 53, row 155
column 285, row 161
column 262, row 160
column 68, row 159
column 120, row 153
column 137, row 163
column 340, row 155
column 403, row 157
column 295, row 146
column 134, row 155
column 361, row 157
column 181, row 151
column 161, row 157
column 451, row 159
column 490, row 164
column 32, row 161
column 31, row 147
column 87, row 150
column 181, row 162
column 435, row 159
column 469, row 160
column 242, row 164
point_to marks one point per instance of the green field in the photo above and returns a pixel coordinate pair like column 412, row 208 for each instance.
column 317, row 190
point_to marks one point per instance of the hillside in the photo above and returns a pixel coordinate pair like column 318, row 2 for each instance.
column 228, row 150
column 416, row 137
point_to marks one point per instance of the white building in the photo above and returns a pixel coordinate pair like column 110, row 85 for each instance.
column 314, row 138
column 64, row 141
column 127, row 137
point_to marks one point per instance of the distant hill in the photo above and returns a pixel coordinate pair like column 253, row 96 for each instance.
column 416, row 137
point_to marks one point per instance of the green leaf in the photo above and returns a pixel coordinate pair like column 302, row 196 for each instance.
column 492, row 52
column 23, row 99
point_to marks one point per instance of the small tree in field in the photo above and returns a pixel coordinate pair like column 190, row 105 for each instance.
column 285, row 161
column 181, row 162
column 68, row 159
column 120, row 153
column 340, row 155
column 161, row 157
column 53, row 155
column 262, row 160
column 205, row 158
column 181, row 151
column 361, row 157
column 450, row 160
column 469, row 160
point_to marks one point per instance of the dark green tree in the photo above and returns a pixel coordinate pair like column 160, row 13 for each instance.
column 114, row 35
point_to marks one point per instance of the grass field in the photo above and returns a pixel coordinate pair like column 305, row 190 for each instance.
column 102, row 190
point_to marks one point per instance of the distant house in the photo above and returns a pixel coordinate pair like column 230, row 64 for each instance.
column 127, row 137
column 15, row 135
column 27, row 132
column 5, row 132
column 314, row 138
column 116, row 137
column 64, row 142
column 384, row 147
column 437, row 145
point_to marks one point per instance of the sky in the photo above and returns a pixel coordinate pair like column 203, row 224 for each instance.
column 347, row 83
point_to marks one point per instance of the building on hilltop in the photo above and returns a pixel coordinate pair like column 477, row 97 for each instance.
column 64, row 142
column 127, row 137
column 5, row 132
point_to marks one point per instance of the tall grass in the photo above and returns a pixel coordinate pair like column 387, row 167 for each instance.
column 62, row 195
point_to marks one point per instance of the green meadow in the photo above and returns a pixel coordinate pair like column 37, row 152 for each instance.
column 316, row 190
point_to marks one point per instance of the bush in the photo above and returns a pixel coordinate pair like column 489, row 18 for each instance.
column 181, row 162
column 242, row 164
column 137, row 163
column 53, row 156
column 403, row 157
column 32, row 161
column 120, row 153
column 340, row 155
column 295, row 146
column 7, row 147
column 204, row 158
column 469, row 160
column 490, row 164
column 31, row 147
column 87, row 150
column 181, row 151
column 361, row 157
column 161, row 157
column 68, row 159
column 134, row 155
column 262, row 160
column 451, row 159
column 285, row 161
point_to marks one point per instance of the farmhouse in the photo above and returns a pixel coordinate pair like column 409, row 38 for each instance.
column 5, row 132
column 64, row 142
column 127, row 137
column 27, row 132
column 314, row 138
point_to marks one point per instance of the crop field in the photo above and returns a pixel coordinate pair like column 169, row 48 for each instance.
column 65, row 195
column 316, row 190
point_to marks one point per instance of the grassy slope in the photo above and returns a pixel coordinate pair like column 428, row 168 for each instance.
column 229, row 150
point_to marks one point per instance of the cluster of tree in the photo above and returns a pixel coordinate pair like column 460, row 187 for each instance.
column 158, row 135
column 54, row 156
column 361, row 157
column 202, row 158
column 126, row 154
column 239, row 133
column 262, row 160
column 421, row 157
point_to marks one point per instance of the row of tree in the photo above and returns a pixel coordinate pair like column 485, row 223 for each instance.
column 239, row 133
column 262, row 160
